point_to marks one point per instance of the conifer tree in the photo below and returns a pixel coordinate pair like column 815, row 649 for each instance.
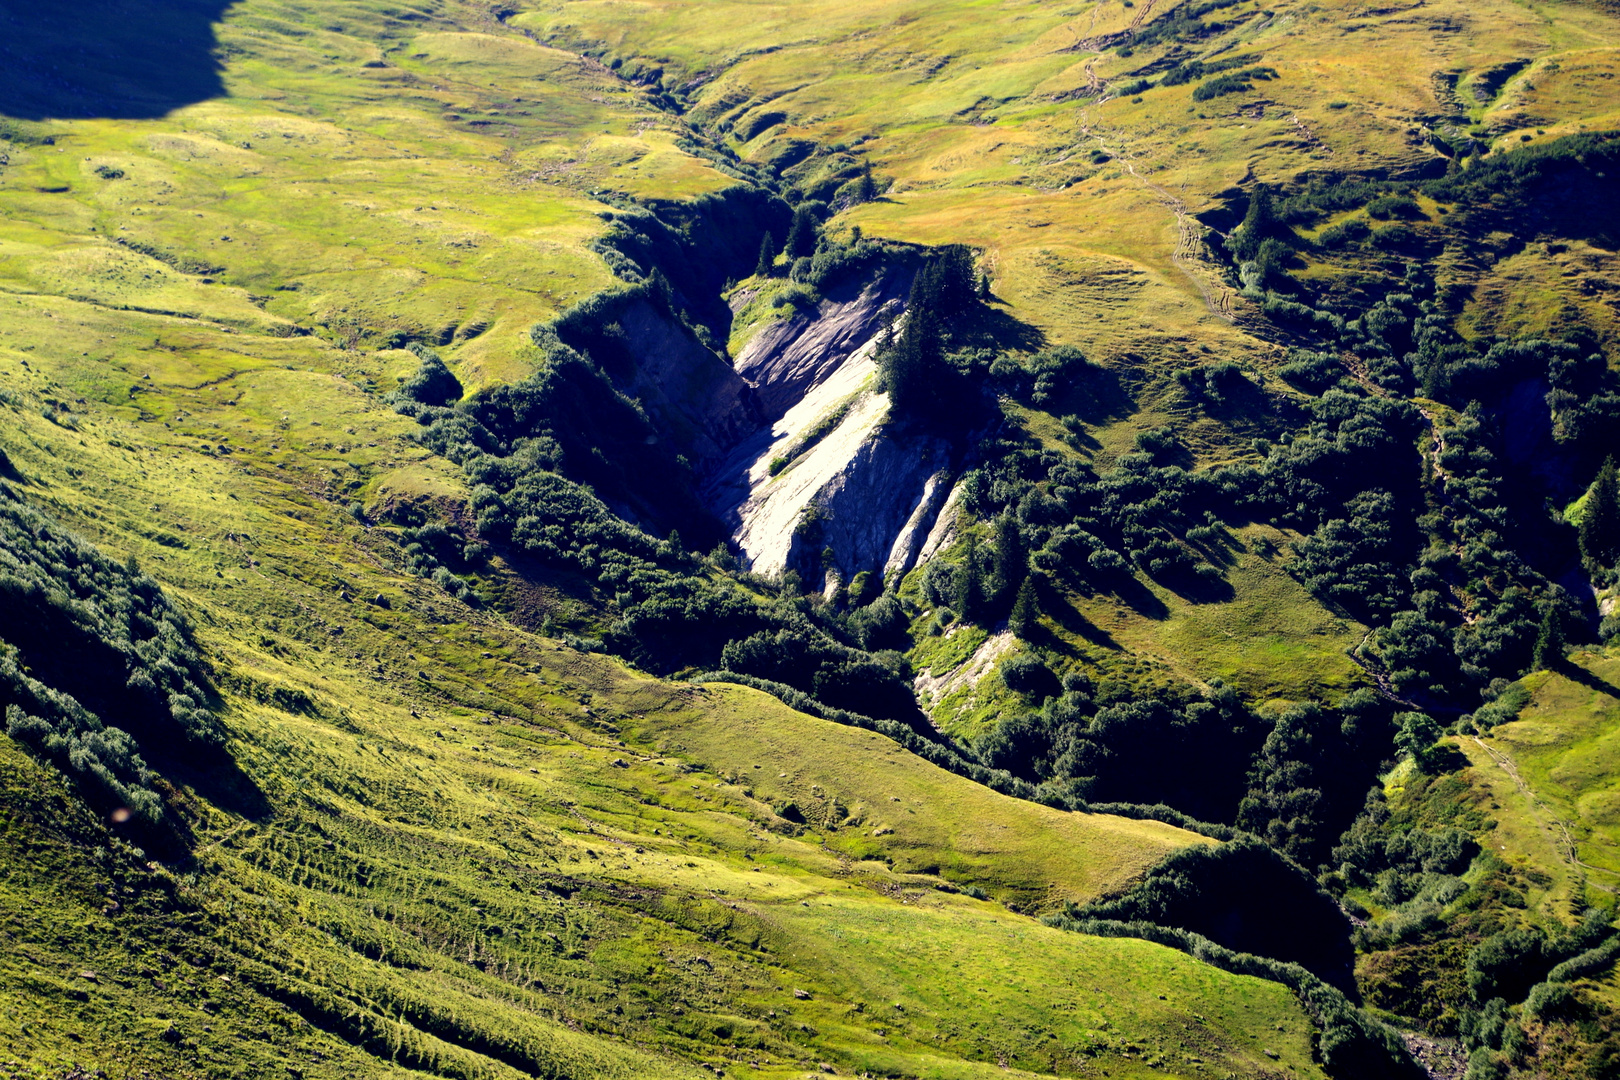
column 801, row 240
column 867, row 190
column 1007, row 561
column 922, row 382
column 968, row 589
column 1025, row 611
column 767, row 257
column 1257, row 226
column 912, row 367
column 1549, row 640
column 1600, row 524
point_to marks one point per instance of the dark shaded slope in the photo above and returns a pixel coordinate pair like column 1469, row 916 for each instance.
column 121, row 59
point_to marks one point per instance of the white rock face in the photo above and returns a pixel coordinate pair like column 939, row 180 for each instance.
column 931, row 688
column 785, row 360
column 925, row 532
column 875, row 494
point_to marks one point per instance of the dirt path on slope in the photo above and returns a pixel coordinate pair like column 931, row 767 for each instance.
column 1220, row 300
column 1553, row 826
column 1189, row 237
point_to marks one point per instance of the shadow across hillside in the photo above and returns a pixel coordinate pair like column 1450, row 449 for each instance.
column 1587, row 678
column 119, row 59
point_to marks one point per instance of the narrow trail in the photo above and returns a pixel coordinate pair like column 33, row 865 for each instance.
column 1311, row 138
column 1189, row 232
column 1189, row 241
column 1141, row 16
column 1564, row 841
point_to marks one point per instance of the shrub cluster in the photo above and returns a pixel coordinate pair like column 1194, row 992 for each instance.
column 1192, row 752
column 83, row 637
column 1242, row 895
column 1236, row 82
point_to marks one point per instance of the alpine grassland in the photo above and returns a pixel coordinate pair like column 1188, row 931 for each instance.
column 414, row 661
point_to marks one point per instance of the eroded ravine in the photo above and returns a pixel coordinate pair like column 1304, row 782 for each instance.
column 826, row 470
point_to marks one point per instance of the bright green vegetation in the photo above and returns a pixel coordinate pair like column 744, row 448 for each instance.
column 395, row 885
column 876, row 801
column 373, row 361
column 1562, row 747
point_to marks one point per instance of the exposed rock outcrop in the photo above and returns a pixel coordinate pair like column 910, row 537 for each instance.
column 927, row 529
column 933, row 688
column 786, row 359
column 829, row 471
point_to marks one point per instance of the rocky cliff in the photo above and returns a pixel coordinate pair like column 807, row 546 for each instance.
column 826, row 470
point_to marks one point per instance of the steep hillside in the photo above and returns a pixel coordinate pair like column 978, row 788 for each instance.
column 465, row 850
column 442, row 856
column 910, row 539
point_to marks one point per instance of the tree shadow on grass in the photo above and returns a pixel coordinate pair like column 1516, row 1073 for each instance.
column 1589, row 679
column 1092, row 395
column 1221, row 550
column 1138, row 597
column 116, row 59
column 1054, row 604
column 983, row 326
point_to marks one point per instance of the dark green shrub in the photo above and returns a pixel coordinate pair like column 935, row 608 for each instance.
column 1235, row 83
column 1506, row 965
column 433, row 383
column 1350, row 231
column 1313, row 372
column 1025, row 674
column 1396, row 208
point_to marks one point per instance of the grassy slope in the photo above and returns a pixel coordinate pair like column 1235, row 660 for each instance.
column 436, row 843
column 1547, row 784
column 420, row 887
column 970, row 114
column 1563, row 748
